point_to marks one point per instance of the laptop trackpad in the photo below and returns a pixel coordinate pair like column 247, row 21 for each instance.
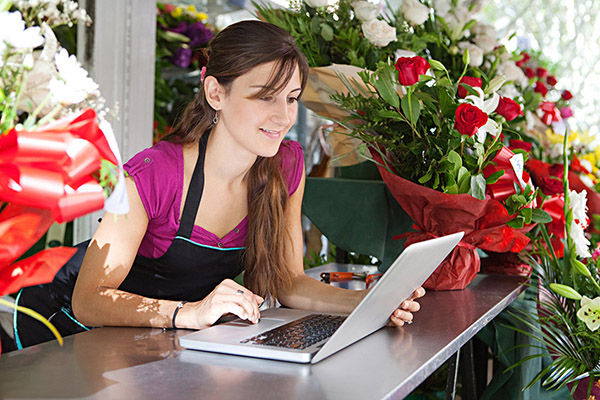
column 264, row 323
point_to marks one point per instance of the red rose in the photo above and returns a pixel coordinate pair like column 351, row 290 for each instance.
column 520, row 144
column 551, row 186
column 409, row 69
column 541, row 72
column 469, row 80
column 566, row 95
column 469, row 119
column 529, row 72
column 557, row 171
column 541, row 88
column 523, row 60
column 169, row 8
column 508, row 108
column 551, row 80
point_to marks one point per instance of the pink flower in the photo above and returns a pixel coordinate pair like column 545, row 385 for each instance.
column 566, row 112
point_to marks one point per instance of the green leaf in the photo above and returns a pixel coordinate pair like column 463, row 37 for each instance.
column 516, row 223
column 389, row 114
column 464, row 180
column 540, row 216
column 327, row 32
column 527, row 214
column 493, row 178
column 565, row 291
column 456, row 161
column 478, row 187
column 315, row 24
column 412, row 112
column 387, row 91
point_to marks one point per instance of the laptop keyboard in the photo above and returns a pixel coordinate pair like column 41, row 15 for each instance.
column 299, row 334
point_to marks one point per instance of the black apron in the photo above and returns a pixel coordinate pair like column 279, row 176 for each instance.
column 187, row 271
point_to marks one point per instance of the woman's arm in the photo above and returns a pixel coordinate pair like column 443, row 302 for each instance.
column 98, row 302
column 310, row 294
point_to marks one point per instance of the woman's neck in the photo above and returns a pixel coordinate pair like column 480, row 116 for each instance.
column 226, row 160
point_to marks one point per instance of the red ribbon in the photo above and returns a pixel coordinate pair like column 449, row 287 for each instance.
column 505, row 186
column 50, row 168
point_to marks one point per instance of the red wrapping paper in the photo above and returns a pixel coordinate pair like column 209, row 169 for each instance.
column 437, row 214
column 50, row 168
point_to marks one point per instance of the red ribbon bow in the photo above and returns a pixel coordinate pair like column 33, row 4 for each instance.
column 51, row 167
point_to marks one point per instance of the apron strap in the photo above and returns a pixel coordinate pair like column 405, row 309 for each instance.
column 194, row 193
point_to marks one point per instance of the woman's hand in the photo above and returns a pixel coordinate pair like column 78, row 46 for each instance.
column 227, row 297
column 403, row 314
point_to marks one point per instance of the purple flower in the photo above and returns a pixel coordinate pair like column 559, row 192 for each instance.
column 182, row 57
column 180, row 28
column 198, row 33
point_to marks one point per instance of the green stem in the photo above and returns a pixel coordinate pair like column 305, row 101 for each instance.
column 50, row 115
column 487, row 153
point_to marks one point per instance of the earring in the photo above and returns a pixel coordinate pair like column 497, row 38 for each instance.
column 216, row 118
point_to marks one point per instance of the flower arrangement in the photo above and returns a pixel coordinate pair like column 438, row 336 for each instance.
column 58, row 156
column 181, row 33
column 568, row 314
column 354, row 33
column 437, row 141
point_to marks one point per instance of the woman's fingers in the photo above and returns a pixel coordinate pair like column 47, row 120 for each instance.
column 410, row 305
column 420, row 292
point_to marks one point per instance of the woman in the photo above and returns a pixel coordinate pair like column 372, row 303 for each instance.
column 220, row 195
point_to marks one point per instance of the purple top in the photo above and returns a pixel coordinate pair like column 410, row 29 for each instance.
column 158, row 176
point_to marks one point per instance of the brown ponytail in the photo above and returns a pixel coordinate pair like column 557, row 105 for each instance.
column 233, row 52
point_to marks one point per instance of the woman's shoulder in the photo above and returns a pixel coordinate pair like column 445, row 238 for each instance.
column 161, row 155
column 292, row 163
column 157, row 172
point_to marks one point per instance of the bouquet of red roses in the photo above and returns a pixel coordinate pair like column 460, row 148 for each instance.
column 436, row 143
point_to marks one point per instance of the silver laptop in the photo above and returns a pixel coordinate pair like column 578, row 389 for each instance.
column 304, row 336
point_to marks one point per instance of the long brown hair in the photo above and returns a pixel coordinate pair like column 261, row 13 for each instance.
column 233, row 52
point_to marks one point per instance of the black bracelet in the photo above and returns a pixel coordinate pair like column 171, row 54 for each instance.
column 179, row 306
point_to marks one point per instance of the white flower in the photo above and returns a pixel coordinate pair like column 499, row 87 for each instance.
column 582, row 245
column 442, row 7
column 475, row 53
column 414, row 11
column 404, row 53
column 365, row 11
column 379, row 32
column 590, row 313
column 579, row 207
column 509, row 91
column 14, row 34
column 316, row 3
column 487, row 43
column 513, row 73
column 488, row 107
column 73, row 84
column 481, row 29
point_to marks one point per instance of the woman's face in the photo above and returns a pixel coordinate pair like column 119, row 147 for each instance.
column 259, row 125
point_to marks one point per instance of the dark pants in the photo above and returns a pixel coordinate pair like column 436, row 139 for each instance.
column 51, row 300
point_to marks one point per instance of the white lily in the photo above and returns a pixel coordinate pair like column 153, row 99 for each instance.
column 487, row 106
